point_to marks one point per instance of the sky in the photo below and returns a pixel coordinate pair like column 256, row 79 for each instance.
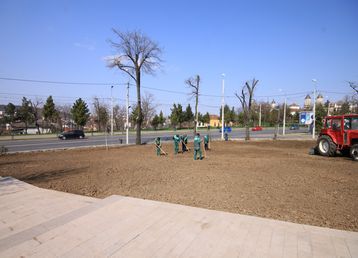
column 283, row 44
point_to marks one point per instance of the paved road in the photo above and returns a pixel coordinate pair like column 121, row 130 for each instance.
column 147, row 137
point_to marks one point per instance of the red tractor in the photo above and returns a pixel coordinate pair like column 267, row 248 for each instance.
column 339, row 133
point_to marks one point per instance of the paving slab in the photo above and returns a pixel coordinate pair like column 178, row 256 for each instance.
column 119, row 226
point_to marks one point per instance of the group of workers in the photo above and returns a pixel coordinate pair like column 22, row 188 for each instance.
column 184, row 143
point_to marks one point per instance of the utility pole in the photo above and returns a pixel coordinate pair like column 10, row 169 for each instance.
column 284, row 117
column 222, row 106
column 260, row 116
column 127, row 122
column 314, row 109
column 111, row 111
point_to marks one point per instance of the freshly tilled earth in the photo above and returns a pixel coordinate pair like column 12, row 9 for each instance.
column 272, row 179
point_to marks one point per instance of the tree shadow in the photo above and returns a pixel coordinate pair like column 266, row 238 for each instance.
column 53, row 174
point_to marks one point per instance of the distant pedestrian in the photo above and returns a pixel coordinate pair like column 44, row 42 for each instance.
column 197, row 146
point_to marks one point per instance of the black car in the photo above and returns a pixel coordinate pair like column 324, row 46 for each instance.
column 75, row 134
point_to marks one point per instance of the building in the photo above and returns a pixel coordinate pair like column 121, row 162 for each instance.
column 214, row 121
column 294, row 108
column 320, row 99
column 307, row 104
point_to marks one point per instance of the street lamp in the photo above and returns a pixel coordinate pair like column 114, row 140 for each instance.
column 314, row 108
column 127, row 120
column 284, row 115
column 222, row 106
column 112, row 110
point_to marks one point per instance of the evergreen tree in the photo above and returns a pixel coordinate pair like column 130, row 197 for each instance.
column 227, row 114
column 9, row 113
column 321, row 112
column 188, row 115
column 161, row 118
column 232, row 115
column 177, row 115
column 25, row 113
column 155, row 122
column 206, row 118
column 49, row 111
column 80, row 112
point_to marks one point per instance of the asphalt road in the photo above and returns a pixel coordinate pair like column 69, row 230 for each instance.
column 147, row 137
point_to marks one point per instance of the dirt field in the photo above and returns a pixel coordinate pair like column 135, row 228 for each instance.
column 269, row 179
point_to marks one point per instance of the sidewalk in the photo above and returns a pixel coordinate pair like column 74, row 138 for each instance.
column 42, row 223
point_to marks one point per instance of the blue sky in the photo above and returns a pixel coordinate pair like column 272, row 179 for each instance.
column 283, row 44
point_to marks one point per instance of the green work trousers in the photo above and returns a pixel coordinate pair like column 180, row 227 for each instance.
column 196, row 152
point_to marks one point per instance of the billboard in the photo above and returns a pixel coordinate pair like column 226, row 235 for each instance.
column 306, row 118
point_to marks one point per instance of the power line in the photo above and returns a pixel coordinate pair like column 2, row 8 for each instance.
column 60, row 82
column 144, row 87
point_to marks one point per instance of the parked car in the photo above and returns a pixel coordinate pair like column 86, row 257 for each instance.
column 74, row 134
column 256, row 128
column 294, row 127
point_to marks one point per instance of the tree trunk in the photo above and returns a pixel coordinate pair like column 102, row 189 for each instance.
column 196, row 112
column 247, row 137
column 138, row 140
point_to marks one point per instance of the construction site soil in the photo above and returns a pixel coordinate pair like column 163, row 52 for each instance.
column 272, row 179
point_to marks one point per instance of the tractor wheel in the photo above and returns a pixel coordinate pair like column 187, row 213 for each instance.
column 354, row 152
column 326, row 146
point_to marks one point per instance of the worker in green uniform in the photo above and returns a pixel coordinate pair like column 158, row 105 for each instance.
column 197, row 146
column 206, row 142
column 184, row 142
column 158, row 144
column 176, row 139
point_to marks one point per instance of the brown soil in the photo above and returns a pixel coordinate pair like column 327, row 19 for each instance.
column 269, row 179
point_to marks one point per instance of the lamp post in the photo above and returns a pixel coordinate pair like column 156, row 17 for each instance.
column 260, row 116
column 222, row 106
column 127, row 120
column 314, row 108
column 111, row 110
column 284, row 117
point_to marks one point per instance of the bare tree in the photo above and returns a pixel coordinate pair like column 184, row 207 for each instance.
column 101, row 114
column 119, row 116
column 36, row 110
column 148, row 108
column 137, row 53
column 354, row 86
column 246, row 100
column 194, row 84
column 65, row 115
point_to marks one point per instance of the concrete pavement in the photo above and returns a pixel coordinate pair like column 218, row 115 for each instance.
column 42, row 223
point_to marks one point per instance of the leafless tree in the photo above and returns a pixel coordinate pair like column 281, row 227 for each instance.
column 65, row 114
column 148, row 108
column 101, row 114
column 119, row 116
column 354, row 86
column 246, row 100
column 194, row 84
column 137, row 53
column 36, row 110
